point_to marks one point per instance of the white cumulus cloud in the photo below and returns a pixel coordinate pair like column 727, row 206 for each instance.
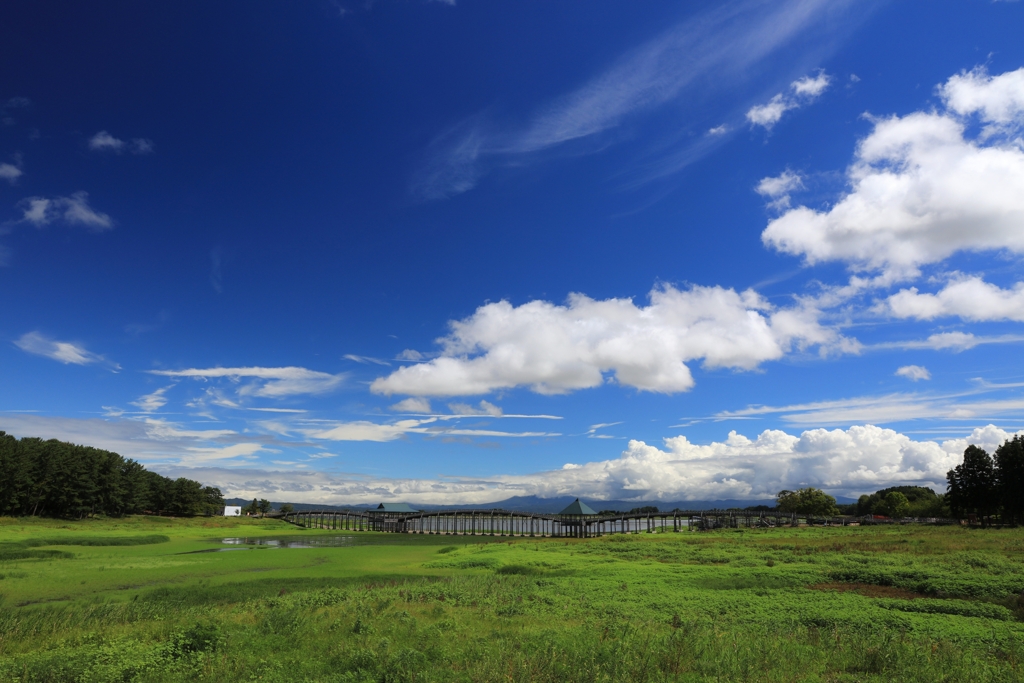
column 10, row 172
column 921, row 189
column 845, row 462
column 770, row 113
column 105, row 142
column 778, row 188
column 913, row 372
column 999, row 100
column 556, row 349
column 804, row 91
column 73, row 210
column 969, row 298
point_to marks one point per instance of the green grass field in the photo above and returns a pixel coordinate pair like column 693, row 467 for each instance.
column 131, row 600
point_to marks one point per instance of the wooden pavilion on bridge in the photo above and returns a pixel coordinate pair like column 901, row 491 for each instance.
column 577, row 518
column 390, row 517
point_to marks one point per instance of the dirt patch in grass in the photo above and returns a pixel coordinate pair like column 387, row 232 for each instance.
column 868, row 590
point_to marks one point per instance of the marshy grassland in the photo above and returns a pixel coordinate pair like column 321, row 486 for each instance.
column 131, row 600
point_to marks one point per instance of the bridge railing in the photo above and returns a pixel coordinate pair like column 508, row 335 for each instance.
column 499, row 522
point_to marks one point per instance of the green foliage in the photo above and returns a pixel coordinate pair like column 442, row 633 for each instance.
column 27, row 549
column 922, row 502
column 808, row 501
column 1009, row 478
column 57, row 479
column 287, row 507
column 896, row 505
column 521, row 569
column 972, row 484
column 104, row 541
column 195, row 639
column 984, row 486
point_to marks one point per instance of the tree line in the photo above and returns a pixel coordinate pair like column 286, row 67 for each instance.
column 989, row 486
column 58, row 479
column 263, row 506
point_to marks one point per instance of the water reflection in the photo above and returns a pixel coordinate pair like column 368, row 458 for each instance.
column 293, row 542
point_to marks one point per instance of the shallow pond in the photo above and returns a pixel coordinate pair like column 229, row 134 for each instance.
column 345, row 540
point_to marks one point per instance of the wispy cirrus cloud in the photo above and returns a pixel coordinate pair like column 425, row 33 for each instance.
column 891, row 408
column 363, row 360
column 484, row 408
column 144, row 438
column 712, row 51
column 153, row 401
column 12, row 105
column 267, row 382
column 443, row 425
column 69, row 353
column 238, row 454
column 948, row 341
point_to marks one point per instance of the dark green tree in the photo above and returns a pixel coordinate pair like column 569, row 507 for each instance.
column 263, row 506
column 1009, row 478
column 287, row 507
column 213, row 501
column 971, row 484
column 58, row 479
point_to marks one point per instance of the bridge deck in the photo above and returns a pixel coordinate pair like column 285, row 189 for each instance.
column 514, row 523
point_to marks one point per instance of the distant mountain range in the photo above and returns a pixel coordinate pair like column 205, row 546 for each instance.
column 554, row 505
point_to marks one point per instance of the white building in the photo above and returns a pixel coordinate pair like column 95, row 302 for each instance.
column 232, row 510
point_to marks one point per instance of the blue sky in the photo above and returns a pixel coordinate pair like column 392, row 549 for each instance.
column 458, row 251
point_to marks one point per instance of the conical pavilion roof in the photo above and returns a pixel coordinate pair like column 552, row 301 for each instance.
column 395, row 507
column 577, row 508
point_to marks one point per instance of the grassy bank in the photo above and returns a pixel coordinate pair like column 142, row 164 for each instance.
column 132, row 600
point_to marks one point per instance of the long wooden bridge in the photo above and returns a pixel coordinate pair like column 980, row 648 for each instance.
column 516, row 523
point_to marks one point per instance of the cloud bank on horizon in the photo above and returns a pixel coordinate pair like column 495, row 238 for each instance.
column 844, row 462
